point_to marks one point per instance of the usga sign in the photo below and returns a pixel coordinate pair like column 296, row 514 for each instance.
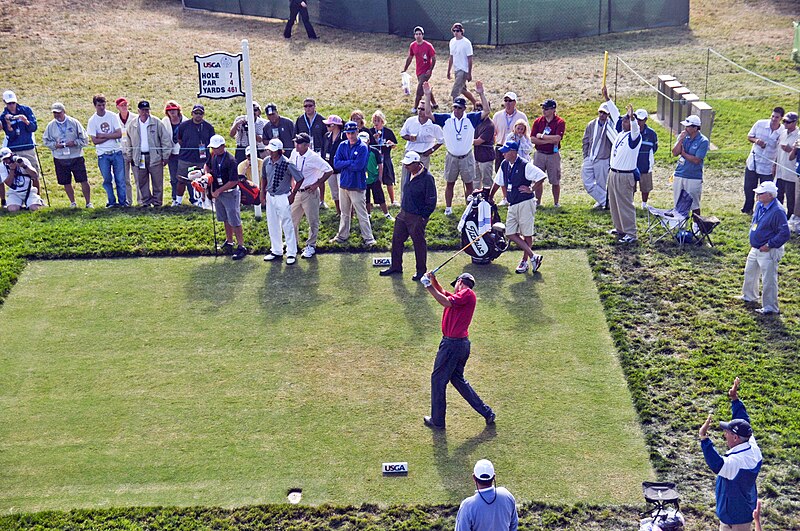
column 395, row 468
column 219, row 76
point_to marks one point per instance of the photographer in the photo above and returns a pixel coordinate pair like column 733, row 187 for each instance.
column 21, row 180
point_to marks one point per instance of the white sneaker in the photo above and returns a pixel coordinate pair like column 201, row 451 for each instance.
column 308, row 252
column 557, row 205
column 644, row 205
column 270, row 257
column 448, row 211
column 389, row 216
column 536, row 262
column 597, row 205
column 504, row 202
column 89, row 205
column 395, row 204
column 323, row 205
column 291, row 260
column 176, row 202
column 413, row 110
column 522, row 267
column 73, row 205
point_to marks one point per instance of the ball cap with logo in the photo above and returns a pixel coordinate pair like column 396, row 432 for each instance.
column 739, row 427
column 468, row 281
column 484, row 469
column 9, row 97
column 144, row 104
column 5, row 153
column 549, row 104
column 351, row 127
column 509, row 146
column 460, row 102
column 275, row 145
column 302, row 138
column 641, row 114
column 411, row 157
column 511, row 95
column 692, row 119
column 216, row 141
column 767, row 187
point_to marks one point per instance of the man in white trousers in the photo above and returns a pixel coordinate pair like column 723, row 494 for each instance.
column 597, row 142
column 278, row 194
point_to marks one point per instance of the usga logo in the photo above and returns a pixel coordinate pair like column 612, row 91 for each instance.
column 395, row 468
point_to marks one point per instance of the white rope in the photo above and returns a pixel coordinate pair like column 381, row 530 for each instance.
column 643, row 79
column 787, row 87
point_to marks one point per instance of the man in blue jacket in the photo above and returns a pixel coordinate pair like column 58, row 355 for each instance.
column 769, row 230
column 18, row 123
column 351, row 163
column 737, row 470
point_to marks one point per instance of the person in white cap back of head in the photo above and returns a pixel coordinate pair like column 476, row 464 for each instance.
column 769, row 230
column 760, row 163
column 278, row 193
column 691, row 148
column 491, row 508
column 19, row 124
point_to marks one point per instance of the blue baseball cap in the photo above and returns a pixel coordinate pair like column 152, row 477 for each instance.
column 739, row 427
column 351, row 127
column 508, row 146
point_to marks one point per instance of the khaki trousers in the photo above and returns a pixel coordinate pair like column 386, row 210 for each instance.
column 147, row 177
column 306, row 202
column 356, row 199
column 621, row 187
column 735, row 527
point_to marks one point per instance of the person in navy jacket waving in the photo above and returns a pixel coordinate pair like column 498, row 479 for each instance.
column 737, row 470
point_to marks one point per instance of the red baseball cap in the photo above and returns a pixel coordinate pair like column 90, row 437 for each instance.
column 120, row 101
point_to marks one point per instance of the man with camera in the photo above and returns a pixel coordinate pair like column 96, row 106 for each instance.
column 19, row 124
column 21, row 180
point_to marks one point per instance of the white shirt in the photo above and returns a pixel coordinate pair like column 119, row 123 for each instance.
column 108, row 123
column 785, row 169
column 458, row 135
column 504, row 124
column 761, row 159
column 311, row 165
column 623, row 156
column 460, row 49
column 532, row 173
column 428, row 134
column 145, row 142
column 242, row 136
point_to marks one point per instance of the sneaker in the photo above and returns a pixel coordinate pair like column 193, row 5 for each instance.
column 597, row 205
column 536, row 262
column 557, row 205
column 270, row 257
column 240, row 253
column 308, row 252
column 504, row 202
column 371, row 243
column 89, row 205
column 291, row 260
column 73, row 205
column 644, row 205
column 323, row 205
column 613, row 232
column 763, row 311
column 389, row 216
column 395, row 204
column 227, row 248
column 176, row 202
column 627, row 239
column 448, row 211
column 490, row 418
column 429, row 423
column 336, row 240
column 413, row 110
column 522, row 267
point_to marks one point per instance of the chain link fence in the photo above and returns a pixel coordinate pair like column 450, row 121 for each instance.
column 493, row 22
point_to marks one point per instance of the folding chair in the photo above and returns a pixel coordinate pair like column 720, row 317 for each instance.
column 671, row 222
column 703, row 227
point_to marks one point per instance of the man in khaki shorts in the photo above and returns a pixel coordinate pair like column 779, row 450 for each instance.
column 521, row 180
column 459, row 132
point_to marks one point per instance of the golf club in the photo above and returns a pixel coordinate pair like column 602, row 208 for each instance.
column 41, row 174
column 214, row 224
column 476, row 238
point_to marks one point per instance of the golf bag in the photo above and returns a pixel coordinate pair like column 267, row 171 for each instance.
column 250, row 192
column 481, row 217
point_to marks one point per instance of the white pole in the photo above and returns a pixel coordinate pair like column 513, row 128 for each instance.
column 251, row 121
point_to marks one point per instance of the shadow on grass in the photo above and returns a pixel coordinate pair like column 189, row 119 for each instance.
column 417, row 311
column 455, row 467
column 217, row 282
column 290, row 290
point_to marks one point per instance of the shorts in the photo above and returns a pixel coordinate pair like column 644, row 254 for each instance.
column 645, row 183
column 30, row 154
column 693, row 186
column 17, row 198
column 376, row 191
column 227, row 206
column 388, row 172
column 459, row 85
column 550, row 163
column 520, row 218
column 67, row 168
column 484, row 174
column 183, row 167
column 455, row 166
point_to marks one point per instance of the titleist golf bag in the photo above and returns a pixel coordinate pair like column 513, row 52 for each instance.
column 481, row 218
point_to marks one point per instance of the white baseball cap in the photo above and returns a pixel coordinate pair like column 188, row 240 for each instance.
column 641, row 114
column 484, row 470
column 604, row 107
column 275, row 145
column 5, row 153
column 364, row 136
column 410, row 157
column 767, row 187
column 9, row 97
column 692, row 119
column 510, row 95
column 216, row 141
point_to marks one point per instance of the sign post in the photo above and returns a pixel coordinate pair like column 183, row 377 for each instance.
column 219, row 77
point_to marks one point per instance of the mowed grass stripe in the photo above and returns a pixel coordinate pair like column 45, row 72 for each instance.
column 202, row 381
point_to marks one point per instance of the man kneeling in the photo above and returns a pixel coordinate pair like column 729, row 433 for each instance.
column 22, row 180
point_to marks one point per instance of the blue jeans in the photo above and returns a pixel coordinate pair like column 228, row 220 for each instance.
column 449, row 367
column 108, row 162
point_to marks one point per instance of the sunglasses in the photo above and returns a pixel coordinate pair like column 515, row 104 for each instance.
column 507, row 100
column 789, row 121
column 456, row 30
column 308, row 105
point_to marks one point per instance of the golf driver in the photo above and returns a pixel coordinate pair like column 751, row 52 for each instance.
column 476, row 238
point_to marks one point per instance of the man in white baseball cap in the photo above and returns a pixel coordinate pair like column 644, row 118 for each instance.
column 491, row 507
column 226, row 193
column 278, row 194
column 769, row 230
column 18, row 123
column 690, row 148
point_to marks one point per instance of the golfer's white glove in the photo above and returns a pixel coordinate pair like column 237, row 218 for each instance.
column 425, row 280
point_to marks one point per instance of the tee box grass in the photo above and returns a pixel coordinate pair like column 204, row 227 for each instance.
column 195, row 381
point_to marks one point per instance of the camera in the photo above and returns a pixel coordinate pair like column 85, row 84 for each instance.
column 18, row 159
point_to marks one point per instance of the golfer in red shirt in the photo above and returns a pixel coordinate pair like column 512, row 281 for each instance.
column 454, row 349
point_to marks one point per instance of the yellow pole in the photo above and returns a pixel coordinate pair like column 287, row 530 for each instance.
column 605, row 67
